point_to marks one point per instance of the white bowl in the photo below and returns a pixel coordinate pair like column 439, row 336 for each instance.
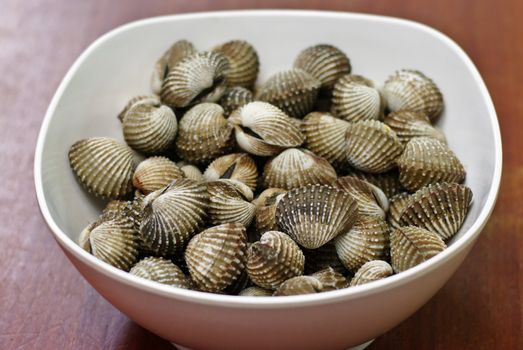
column 118, row 66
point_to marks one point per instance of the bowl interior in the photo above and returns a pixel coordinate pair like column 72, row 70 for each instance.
column 118, row 67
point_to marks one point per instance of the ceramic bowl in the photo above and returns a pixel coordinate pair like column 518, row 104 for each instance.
column 118, row 66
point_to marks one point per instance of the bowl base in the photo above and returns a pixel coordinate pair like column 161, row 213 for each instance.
column 357, row 347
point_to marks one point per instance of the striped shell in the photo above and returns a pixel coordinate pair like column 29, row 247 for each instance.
column 243, row 61
column 274, row 259
column 426, row 161
column 151, row 100
column 408, row 125
column 264, row 130
column 371, row 200
column 234, row 98
column 364, row 242
column 325, row 136
column 239, row 284
column 388, row 182
column 235, row 166
column 372, row 146
column 216, row 256
column 266, row 204
column 413, row 91
column 115, row 207
column 103, row 165
column 324, row 62
column 440, row 208
column 175, row 54
column 356, row 98
column 295, row 168
column 322, row 258
column 190, row 171
column 331, row 279
column 313, row 215
column 171, row 216
column 155, row 173
column 229, row 204
column 255, row 292
column 293, row 91
column 197, row 78
column 299, row 285
column 371, row 271
column 204, row 134
column 410, row 246
column 162, row 271
column 396, row 206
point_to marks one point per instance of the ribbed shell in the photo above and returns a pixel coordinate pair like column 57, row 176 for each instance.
column 331, row 279
column 408, row 125
column 264, row 130
column 325, row 136
column 295, row 168
column 228, row 204
column 173, row 215
column 190, row 171
column 162, row 271
column 274, row 259
column 294, row 91
column 410, row 246
column 371, row 271
column 426, row 161
column 155, row 173
column 235, row 166
column 234, row 98
column 151, row 100
column 266, row 204
column 103, row 165
column 356, row 98
column 243, row 61
column 115, row 207
column 372, row 146
column 242, row 282
column 397, row 204
column 322, row 258
column 255, row 292
column 364, row 242
column 325, row 62
column 216, row 256
column 413, row 91
column 198, row 78
column 439, row 208
column 204, row 134
column 313, row 215
column 388, row 182
column 371, row 200
column 175, row 54
column 299, row 285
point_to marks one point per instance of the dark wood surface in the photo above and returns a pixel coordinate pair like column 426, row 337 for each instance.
column 45, row 303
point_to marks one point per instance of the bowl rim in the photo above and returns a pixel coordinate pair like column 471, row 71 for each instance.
column 379, row 286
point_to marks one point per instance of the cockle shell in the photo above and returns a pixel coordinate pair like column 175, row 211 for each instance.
column 324, row 62
column 313, row 215
column 243, row 61
column 440, row 208
column 204, row 134
column 151, row 100
column 266, row 204
column 372, row 146
column 293, row 91
column 162, row 271
column 216, row 256
column 234, row 98
column 190, row 171
column 371, row 271
column 235, row 166
column 411, row 90
column 426, row 161
column 356, row 98
column 295, row 168
column 175, row 54
column 396, row 206
column 243, row 281
column 201, row 77
column 171, row 216
column 364, row 242
column 229, row 203
column 409, row 124
column 264, row 130
column 274, row 259
column 410, row 246
column 322, row 258
column 155, row 173
column 371, row 200
column 129, row 209
column 325, row 136
column 388, row 182
column 114, row 207
column 255, row 292
column 103, row 165
column 299, row 285
column 331, row 279
column 149, row 128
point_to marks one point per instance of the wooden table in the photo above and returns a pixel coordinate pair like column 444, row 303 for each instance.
column 46, row 304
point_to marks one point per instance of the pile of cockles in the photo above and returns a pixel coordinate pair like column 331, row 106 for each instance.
column 313, row 180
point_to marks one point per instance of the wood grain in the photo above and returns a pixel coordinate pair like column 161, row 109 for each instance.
column 45, row 304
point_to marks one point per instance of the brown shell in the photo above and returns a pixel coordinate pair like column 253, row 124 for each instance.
column 216, row 256
column 440, row 208
column 371, row 200
column 313, row 215
column 190, row 171
column 235, row 166
column 255, row 292
column 322, row 258
column 175, row 54
column 295, row 168
column 388, row 182
column 299, row 285
column 396, row 206
column 151, row 100
column 356, row 98
column 155, row 173
column 115, row 207
column 266, row 204
column 426, row 161
column 234, row 98
column 372, row 146
column 371, row 271
column 114, row 178
column 162, row 271
column 243, row 61
column 408, row 125
column 331, row 279
column 228, row 204
column 410, row 246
